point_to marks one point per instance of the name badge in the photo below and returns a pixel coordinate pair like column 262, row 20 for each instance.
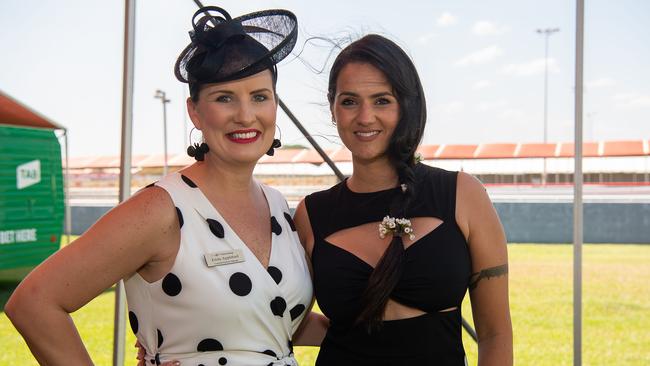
column 223, row 258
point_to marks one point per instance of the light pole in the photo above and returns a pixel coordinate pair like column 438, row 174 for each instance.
column 161, row 95
column 547, row 33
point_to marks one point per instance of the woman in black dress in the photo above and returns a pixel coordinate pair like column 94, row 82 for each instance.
column 395, row 246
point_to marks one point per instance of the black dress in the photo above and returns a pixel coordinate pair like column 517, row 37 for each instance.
column 435, row 277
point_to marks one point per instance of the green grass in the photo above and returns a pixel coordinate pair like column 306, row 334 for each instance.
column 616, row 310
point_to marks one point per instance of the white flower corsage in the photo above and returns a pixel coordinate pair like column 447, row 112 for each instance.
column 396, row 227
column 417, row 157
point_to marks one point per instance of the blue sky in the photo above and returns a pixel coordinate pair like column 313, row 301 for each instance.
column 481, row 63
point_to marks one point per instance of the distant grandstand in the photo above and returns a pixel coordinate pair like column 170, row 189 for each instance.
column 605, row 162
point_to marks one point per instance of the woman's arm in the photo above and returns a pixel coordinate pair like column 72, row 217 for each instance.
column 314, row 326
column 488, row 288
column 121, row 242
column 312, row 330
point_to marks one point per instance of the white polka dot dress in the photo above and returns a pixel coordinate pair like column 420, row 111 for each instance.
column 218, row 305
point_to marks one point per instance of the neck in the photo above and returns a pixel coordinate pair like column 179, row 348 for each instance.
column 228, row 179
column 371, row 176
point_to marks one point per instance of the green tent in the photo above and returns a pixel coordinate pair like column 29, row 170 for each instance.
column 32, row 200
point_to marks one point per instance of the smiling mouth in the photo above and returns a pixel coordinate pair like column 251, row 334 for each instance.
column 366, row 133
column 243, row 137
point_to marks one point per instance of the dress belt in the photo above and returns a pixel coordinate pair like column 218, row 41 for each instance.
column 155, row 360
column 286, row 361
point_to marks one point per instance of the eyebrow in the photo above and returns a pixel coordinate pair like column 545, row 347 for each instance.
column 376, row 95
column 261, row 91
column 225, row 91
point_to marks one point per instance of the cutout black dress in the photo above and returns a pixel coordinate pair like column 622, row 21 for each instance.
column 435, row 277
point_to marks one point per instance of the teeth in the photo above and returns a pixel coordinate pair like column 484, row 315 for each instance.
column 245, row 135
column 366, row 134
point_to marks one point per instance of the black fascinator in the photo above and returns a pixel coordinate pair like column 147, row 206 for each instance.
column 224, row 49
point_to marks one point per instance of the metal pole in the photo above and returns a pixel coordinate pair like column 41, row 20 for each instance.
column 119, row 326
column 162, row 96
column 546, row 87
column 68, row 213
column 545, row 102
column 311, row 140
column 165, row 133
column 577, row 191
column 469, row 330
column 184, row 118
column 547, row 33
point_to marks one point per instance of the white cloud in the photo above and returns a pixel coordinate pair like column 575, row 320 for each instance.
column 598, row 83
column 481, row 56
column 481, row 84
column 446, row 20
column 426, row 38
column 485, row 28
column 632, row 100
column 533, row 67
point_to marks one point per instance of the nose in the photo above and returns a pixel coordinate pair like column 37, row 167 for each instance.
column 366, row 113
column 245, row 113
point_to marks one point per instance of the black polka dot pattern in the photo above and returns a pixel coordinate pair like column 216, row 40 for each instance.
column 270, row 353
column 171, row 285
column 278, row 306
column 160, row 338
column 133, row 321
column 180, row 217
column 296, row 311
column 209, row 344
column 290, row 221
column 240, row 284
column 216, row 228
column 275, row 274
column 188, row 181
column 223, row 361
column 275, row 226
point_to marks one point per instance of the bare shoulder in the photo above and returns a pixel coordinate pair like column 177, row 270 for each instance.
column 146, row 220
column 472, row 200
column 476, row 216
column 152, row 207
column 303, row 225
column 468, row 187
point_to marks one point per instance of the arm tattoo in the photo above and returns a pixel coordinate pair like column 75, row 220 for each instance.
column 487, row 274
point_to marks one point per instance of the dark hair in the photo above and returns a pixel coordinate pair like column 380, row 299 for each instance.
column 400, row 71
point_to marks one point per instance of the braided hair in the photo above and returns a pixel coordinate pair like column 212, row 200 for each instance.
column 400, row 71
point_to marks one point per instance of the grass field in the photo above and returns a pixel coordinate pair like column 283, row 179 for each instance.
column 616, row 310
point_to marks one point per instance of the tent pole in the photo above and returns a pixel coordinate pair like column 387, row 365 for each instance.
column 125, row 166
column 577, row 190
column 66, row 187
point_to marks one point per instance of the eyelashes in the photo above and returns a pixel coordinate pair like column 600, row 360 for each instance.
column 257, row 98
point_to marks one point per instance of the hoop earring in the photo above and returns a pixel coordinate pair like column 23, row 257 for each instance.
column 196, row 150
column 276, row 143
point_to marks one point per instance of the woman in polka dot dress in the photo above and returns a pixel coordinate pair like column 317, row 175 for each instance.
column 213, row 268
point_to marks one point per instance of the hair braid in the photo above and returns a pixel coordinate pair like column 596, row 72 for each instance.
column 388, row 270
